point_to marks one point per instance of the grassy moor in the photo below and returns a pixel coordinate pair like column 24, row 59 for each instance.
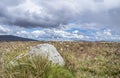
column 82, row 60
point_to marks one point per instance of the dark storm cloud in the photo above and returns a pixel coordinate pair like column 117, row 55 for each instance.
column 18, row 14
column 53, row 13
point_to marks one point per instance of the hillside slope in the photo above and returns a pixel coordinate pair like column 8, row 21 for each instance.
column 14, row 38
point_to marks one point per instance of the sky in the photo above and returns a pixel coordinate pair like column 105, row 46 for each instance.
column 91, row 20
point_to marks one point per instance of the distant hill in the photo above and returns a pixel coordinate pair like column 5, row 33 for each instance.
column 14, row 38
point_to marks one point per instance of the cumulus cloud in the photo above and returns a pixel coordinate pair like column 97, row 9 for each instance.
column 60, row 34
column 48, row 34
column 64, row 19
column 53, row 13
column 4, row 30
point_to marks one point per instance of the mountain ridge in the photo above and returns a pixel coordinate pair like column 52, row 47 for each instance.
column 14, row 38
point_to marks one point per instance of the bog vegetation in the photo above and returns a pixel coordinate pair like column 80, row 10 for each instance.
column 83, row 60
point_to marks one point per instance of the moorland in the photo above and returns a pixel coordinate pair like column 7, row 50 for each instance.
column 82, row 60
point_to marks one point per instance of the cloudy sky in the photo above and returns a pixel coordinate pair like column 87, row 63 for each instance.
column 61, row 19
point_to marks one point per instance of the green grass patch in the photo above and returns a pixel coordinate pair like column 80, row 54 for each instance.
column 32, row 67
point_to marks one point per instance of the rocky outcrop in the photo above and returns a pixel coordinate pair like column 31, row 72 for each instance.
column 48, row 51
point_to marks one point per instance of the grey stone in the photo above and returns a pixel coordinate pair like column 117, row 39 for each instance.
column 48, row 51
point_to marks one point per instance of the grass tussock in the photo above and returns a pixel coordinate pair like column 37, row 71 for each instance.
column 32, row 67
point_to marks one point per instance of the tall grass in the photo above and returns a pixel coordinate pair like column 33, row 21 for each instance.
column 82, row 60
column 33, row 67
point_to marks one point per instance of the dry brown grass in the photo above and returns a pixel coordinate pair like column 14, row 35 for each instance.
column 83, row 59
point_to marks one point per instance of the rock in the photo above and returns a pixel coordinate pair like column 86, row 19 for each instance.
column 48, row 51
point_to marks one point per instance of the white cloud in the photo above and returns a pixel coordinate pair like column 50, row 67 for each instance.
column 75, row 32
column 85, row 26
column 4, row 30
column 38, row 33
column 107, row 32
column 53, row 13
column 59, row 34
column 51, row 34
column 23, row 33
column 106, row 35
column 95, row 16
column 65, row 35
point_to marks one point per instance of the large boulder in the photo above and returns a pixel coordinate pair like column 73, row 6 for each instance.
column 48, row 51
